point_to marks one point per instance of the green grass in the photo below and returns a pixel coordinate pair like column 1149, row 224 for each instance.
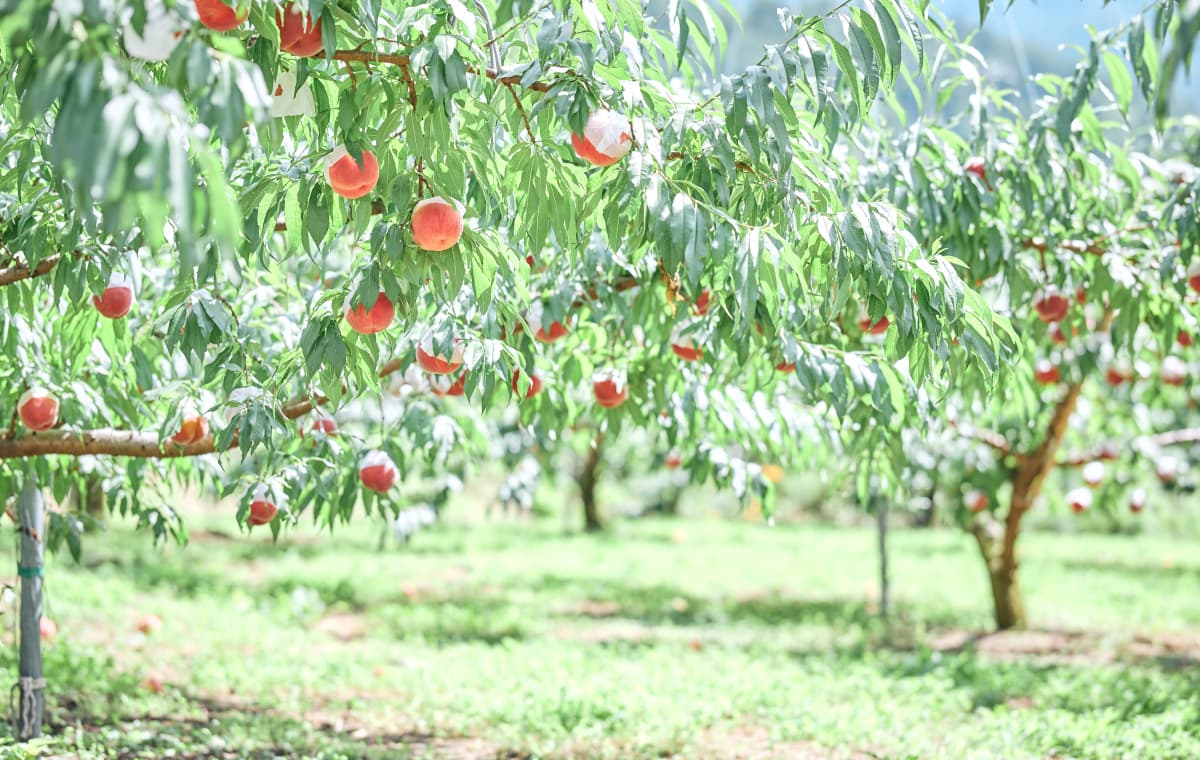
column 688, row 638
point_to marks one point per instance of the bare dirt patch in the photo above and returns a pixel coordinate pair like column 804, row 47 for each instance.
column 1083, row 647
column 747, row 742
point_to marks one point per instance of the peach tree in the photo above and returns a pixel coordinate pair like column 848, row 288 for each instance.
column 1073, row 209
column 228, row 230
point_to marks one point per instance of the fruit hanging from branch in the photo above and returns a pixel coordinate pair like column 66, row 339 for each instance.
column 298, row 33
column 262, row 509
column 610, row 388
column 377, row 472
column 220, row 17
column 350, row 178
column 377, row 319
column 38, row 409
column 117, row 298
column 605, row 139
column 438, row 364
column 437, row 224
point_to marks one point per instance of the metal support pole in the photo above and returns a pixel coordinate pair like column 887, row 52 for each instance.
column 31, row 686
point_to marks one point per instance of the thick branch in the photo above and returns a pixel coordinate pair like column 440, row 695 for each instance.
column 18, row 273
column 1109, row 449
column 988, row 437
column 133, row 443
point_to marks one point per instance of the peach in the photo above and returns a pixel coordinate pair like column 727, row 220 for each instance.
column 377, row 472
column 117, row 298
column 557, row 330
column 48, row 629
column 324, row 425
column 1137, row 500
column 38, row 409
column 1173, row 371
column 376, row 320
column 1193, row 275
column 1184, row 338
column 436, row 224
column 976, row 166
column 535, row 385
column 219, row 17
column 878, row 328
column 193, row 428
column 1051, row 306
column 148, row 624
column 1166, row 469
column 605, row 139
column 437, row 364
column 347, row 177
column 685, row 348
column 298, row 34
column 1045, row 372
column 785, row 367
column 1079, row 499
column 262, row 509
column 609, row 387
column 702, row 304
column 673, row 460
column 442, row 385
column 976, row 500
column 1093, row 474
column 1116, row 376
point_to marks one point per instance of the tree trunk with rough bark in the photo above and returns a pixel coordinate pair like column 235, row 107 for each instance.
column 587, row 487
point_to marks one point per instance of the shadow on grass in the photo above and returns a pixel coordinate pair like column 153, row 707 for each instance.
column 1139, row 569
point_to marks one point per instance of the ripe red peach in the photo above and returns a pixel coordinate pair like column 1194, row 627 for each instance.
column 117, row 298
column 38, row 409
column 673, row 460
column 347, row 177
column 684, row 346
column 437, row 364
column 219, row 17
column 605, row 139
column 976, row 166
column 376, row 320
column 1051, row 306
column 976, row 500
column 1173, row 371
column 609, row 387
column 193, row 428
column 436, row 224
column 702, row 304
column 785, row 367
column 298, row 33
column 1079, row 499
column 148, row 624
column 1046, row 372
column 442, row 385
column 1184, row 338
column 377, row 472
column 1193, row 275
column 1093, row 474
column 535, row 385
column 878, row 328
column 262, row 509
column 47, row 629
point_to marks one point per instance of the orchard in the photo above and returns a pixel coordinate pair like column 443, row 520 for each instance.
column 290, row 272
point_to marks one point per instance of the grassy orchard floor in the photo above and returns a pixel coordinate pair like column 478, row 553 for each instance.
column 695, row 638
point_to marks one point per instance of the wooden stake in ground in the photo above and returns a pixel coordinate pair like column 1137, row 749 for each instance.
column 31, row 685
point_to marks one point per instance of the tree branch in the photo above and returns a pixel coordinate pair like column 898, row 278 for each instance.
column 18, row 273
column 987, row 437
column 147, row 445
column 1110, row 449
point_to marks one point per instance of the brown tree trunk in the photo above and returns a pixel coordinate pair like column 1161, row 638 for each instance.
column 587, row 487
column 1008, row 606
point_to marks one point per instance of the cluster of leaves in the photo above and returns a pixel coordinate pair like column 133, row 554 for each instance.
column 245, row 261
